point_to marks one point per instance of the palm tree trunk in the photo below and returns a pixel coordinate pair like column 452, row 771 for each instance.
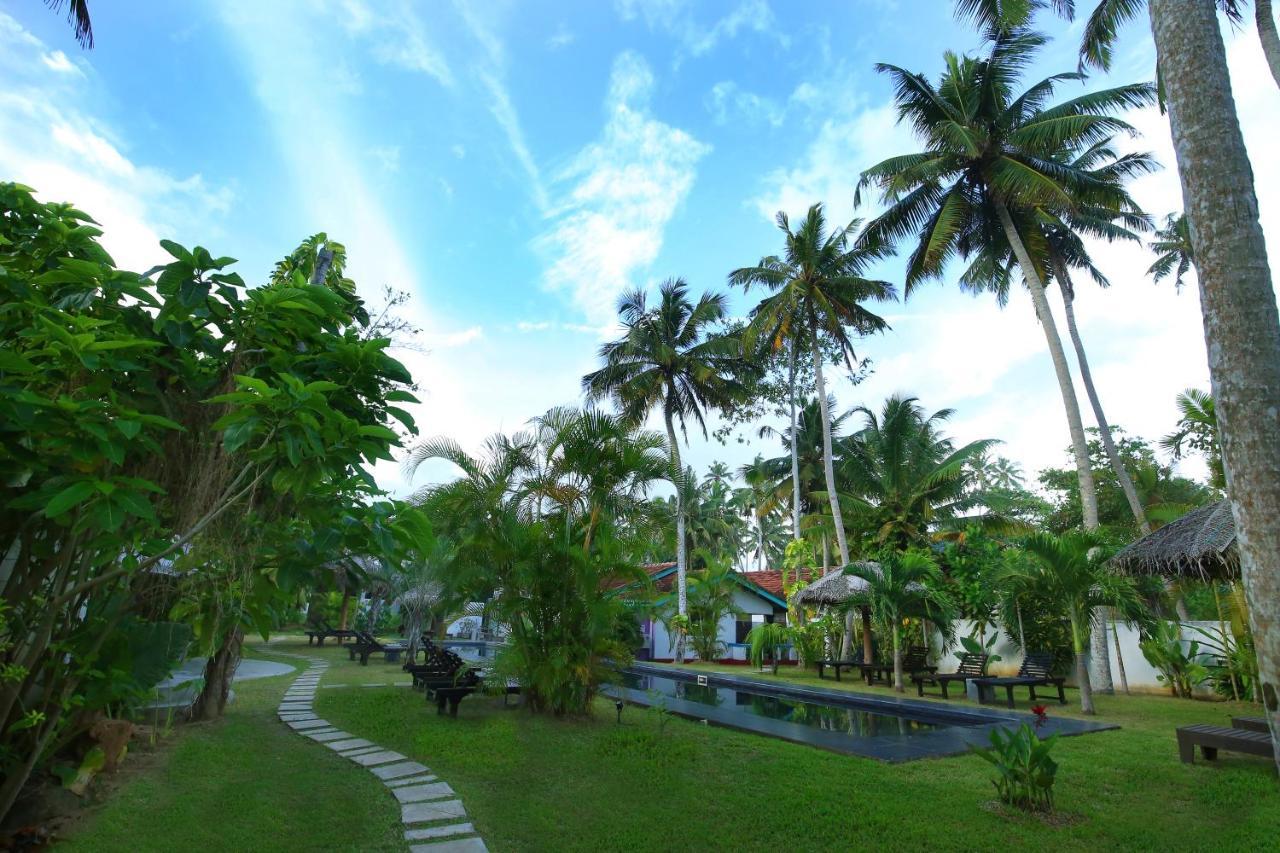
column 1082, row 666
column 219, row 670
column 1267, row 35
column 1104, row 426
column 897, row 659
column 1124, row 680
column 795, row 448
column 828, row 464
column 1088, row 494
column 682, row 591
column 1241, row 326
column 1080, row 448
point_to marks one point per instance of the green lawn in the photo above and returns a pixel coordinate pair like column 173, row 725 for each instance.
column 246, row 782
column 542, row 784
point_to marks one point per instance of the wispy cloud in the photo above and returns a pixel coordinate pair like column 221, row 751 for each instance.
column 396, row 37
column 386, row 156
column 676, row 19
column 622, row 192
column 53, row 138
column 562, row 37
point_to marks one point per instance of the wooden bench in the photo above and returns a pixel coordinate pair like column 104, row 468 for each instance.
column 915, row 661
column 1033, row 673
column 1210, row 739
column 837, row 665
column 972, row 665
column 1251, row 724
column 319, row 632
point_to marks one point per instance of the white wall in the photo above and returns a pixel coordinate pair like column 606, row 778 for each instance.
column 1142, row 676
column 748, row 602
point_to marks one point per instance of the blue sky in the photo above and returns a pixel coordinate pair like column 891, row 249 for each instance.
column 516, row 166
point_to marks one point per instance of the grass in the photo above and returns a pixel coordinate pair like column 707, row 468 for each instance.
column 245, row 782
column 532, row 783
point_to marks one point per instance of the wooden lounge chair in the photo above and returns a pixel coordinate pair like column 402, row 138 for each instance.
column 972, row 665
column 914, row 662
column 1034, row 672
column 323, row 630
column 367, row 644
column 851, row 663
column 1252, row 724
column 1210, row 739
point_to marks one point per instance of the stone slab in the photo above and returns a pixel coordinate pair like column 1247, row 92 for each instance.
column 326, row 735
column 364, row 750
column 395, row 771
column 428, row 832
column 344, row 745
column 409, row 780
column 299, row 725
column 299, row 716
column 386, row 756
column 456, row 845
column 422, row 793
column 427, row 812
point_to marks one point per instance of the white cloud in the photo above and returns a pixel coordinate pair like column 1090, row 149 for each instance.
column 623, row 191
column 727, row 102
column 458, row 151
column 53, row 139
column 58, row 61
column 386, row 156
column 447, row 340
column 446, row 188
column 395, row 36
column 676, row 18
column 562, row 37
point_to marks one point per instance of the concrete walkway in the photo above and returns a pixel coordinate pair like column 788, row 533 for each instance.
column 430, row 810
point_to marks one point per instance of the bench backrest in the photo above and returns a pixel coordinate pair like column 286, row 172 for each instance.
column 917, row 657
column 972, row 663
column 1036, row 665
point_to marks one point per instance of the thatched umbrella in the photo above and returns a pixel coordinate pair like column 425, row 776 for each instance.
column 1201, row 544
column 836, row 588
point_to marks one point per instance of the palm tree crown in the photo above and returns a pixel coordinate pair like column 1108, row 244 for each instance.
column 1174, row 255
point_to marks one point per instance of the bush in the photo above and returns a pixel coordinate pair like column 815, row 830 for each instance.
column 1179, row 668
column 1027, row 773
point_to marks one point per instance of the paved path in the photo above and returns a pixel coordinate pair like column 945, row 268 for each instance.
column 431, row 812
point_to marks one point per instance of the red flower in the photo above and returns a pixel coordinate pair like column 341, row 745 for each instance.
column 1042, row 714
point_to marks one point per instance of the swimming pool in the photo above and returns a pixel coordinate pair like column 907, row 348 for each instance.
column 882, row 727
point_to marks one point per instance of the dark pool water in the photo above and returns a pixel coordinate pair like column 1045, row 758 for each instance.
column 830, row 718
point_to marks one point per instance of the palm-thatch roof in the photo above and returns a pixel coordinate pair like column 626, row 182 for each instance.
column 834, row 588
column 1201, row 544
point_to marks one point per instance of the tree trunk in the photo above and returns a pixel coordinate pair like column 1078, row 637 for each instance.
column 795, row 449
column 897, row 659
column 828, row 464
column 1080, row 449
column 1082, row 679
column 846, row 642
column 1099, row 652
column 1241, row 326
column 867, row 651
column 1124, row 680
column 682, row 590
column 1267, row 35
column 218, row 672
column 342, row 613
column 1104, row 426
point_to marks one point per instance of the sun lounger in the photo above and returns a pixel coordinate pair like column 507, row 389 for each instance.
column 914, row 662
column 1210, row 739
column 1033, row 673
column 972, row 665
column 323, row 630
column 367, row 644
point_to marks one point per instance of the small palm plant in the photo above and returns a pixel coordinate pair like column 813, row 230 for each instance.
column 903, row 585
column 768, row 638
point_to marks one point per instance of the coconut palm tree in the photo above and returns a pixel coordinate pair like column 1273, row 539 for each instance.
column 903, row 476
column 989, row 155
column 761, row 499
column 816, row 290
column 1241, row 322
column 1174, row 255
column 900, row 586
column 78, row 18
column 1197, row 430
column 670, row 357
column 1066, row 570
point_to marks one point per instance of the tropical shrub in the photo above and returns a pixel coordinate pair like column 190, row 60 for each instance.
column 1026, row 772
column 769, row 639
column 710, row 601
column 1180, row 667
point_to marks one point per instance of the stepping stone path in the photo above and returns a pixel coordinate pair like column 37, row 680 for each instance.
column 429, row 809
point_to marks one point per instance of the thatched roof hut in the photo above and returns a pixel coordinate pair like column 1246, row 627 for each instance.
column 1201, row 544
column 834, row 588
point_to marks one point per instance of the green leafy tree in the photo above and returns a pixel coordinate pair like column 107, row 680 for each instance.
column 671, row 358
column 816, row 290
column 903, row 585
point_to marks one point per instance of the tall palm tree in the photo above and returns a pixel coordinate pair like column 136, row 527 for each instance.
column 903, row 585
column 1241, row 322
column 670, row 357
column 989, row 155
column 1172, row 246
column 1057, row 247
column 762, row 499
column 903, row 476
column 77, row 17
column 1066, row 571
column 816, row 290
column 1197, row 430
